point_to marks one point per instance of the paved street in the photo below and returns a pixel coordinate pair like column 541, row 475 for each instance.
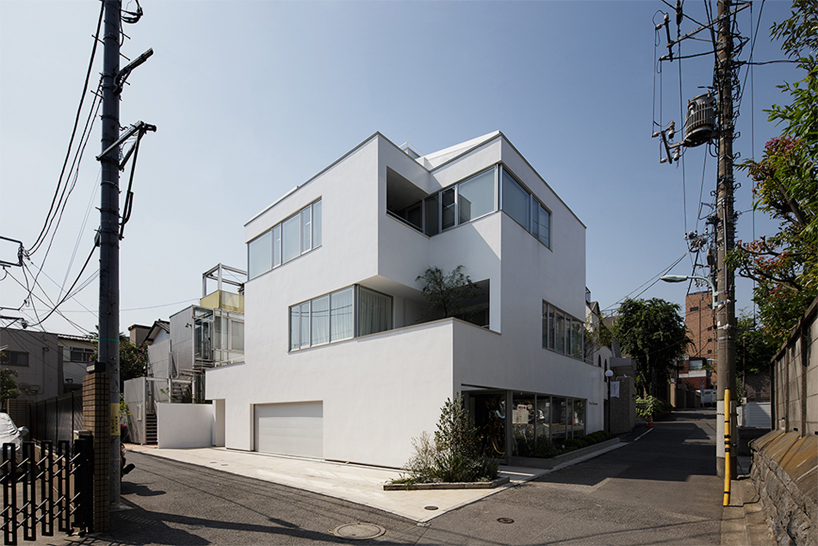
column 660, row 489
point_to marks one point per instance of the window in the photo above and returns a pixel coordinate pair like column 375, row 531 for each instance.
column 562, row 333
column 259, row 255
column 458, row 204
column 525, row 209
column 291, row 238
column 331, row 317
column 476, row 197
column 79, row 354
column 694, row 309
column 13, row 358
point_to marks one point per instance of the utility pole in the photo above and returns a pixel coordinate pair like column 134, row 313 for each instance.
column 725, row 242
column 700, row 128
column 109, row 235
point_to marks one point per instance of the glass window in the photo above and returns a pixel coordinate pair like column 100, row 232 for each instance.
column 522, row 425
column 320, row 320
column 306, row 229
column 305, row 324
column 259, row 255
column 236, row 335
column 316, row 224
column 291, row 238
column 295, row 327
column 559, row 344
column 560, row 423
column 342, row 317
column 475, row 197
column 578, row 426
column 432, row 225
column 544, row 226
column 375, row 312
column 515, row 200
column 447, row 202
column 535, row 218
column 220, row 333
column 13, row 358
column 576, row 339
column 543, row 421
column 277, row 246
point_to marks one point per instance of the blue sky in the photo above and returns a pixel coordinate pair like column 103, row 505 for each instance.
column 254, row 97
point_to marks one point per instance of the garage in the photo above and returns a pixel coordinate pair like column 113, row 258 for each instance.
column 290, row 429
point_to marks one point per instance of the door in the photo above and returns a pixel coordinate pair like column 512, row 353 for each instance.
column 290, row 429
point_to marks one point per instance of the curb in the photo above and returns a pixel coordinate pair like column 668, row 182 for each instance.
column 456, row 485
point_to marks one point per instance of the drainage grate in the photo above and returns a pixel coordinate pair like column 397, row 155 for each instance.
column 358, row 531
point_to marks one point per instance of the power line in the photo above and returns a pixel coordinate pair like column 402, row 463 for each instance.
column 41, row 237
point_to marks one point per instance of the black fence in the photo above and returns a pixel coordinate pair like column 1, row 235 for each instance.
column 56, row 419
column 44, row 487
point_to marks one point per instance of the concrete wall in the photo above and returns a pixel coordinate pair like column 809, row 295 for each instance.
column 135, row 401
column 184, row 425
column 795, row 378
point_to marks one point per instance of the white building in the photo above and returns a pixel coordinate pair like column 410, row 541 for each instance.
column 339, row 363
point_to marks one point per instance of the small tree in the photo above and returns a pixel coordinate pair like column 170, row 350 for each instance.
column 456, row 434
column 133, row 359
column 447, row 293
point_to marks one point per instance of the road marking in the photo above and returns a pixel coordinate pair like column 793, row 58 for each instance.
column 649, row 430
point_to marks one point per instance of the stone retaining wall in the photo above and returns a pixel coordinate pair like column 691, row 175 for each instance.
column 785, row 473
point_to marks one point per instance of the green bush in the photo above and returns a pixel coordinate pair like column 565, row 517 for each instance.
column 650, row 405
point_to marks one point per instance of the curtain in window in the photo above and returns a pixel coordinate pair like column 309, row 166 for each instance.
column 320, row 320
column 342, row 317
column 375, row 314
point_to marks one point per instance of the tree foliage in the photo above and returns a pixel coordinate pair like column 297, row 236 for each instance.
column 754, row 350
column 8, row 385
column 133, row 360
column 785, row 264
column 652, row 333
column 447, row 293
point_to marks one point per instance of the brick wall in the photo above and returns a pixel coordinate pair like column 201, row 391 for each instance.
column 96, row 414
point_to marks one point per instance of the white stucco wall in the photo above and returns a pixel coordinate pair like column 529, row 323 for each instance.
column 184, row 425
column 380, row 391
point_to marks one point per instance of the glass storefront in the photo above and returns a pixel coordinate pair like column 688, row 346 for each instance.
column 537, row 422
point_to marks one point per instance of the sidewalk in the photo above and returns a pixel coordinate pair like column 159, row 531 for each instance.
column 355, row 483
column 743, row 522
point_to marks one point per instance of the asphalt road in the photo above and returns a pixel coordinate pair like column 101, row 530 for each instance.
column 659, row 489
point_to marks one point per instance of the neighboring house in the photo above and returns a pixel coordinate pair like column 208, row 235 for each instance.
column 341, row 362
column 196, row 338
column 77, row 353
column 47, row 364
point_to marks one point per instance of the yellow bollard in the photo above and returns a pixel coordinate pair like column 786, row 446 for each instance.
column 726, row 447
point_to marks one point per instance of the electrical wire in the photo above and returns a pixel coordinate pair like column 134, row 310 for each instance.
column 654, row 280
column 41, row 237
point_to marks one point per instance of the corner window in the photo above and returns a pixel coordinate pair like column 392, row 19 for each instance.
column 525, row 209
column 287, row 240
column 332, row 317
column 562, row 333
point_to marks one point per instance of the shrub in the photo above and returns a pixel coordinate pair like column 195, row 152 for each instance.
column 453, row 456
column 650, row 405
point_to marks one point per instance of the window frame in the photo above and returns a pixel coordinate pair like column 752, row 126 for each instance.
column 533, row 224
column 572, row 334
column 314, row 225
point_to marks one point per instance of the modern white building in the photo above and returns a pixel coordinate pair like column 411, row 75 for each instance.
column 341, row 361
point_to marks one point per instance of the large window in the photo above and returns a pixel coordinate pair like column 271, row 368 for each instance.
column 331, row 317
column 561, row 332
column 525, row 209
column 291, row 238
column 461, row 203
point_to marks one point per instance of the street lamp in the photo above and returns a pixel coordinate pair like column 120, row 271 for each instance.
column 608, row 376
column 682, row 278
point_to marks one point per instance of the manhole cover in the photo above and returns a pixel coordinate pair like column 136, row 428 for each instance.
column 358, row 531
column 505, row 520
column 430, row 507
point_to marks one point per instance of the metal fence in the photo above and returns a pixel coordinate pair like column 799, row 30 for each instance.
column 57, row 418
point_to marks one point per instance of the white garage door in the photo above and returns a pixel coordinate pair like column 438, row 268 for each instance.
column 290, row 429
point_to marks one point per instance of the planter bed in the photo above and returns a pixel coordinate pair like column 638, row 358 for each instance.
column 458, row 485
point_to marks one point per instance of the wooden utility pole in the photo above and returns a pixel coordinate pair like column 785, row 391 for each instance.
column 725, row 241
